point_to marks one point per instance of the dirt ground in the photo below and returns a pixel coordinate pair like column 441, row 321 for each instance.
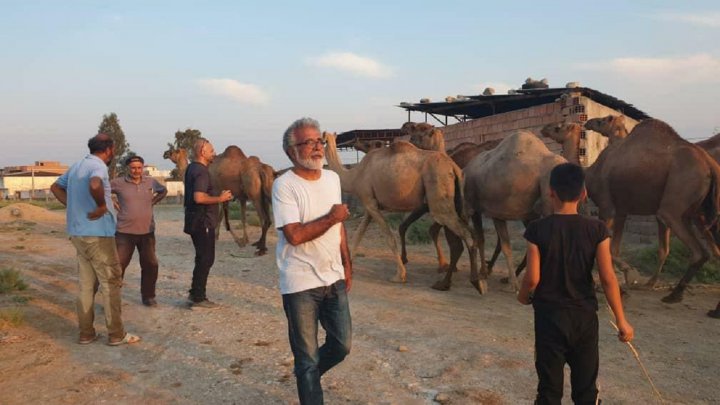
column 411, row 344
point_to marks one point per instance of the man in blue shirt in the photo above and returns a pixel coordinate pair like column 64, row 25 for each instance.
column 85, row 191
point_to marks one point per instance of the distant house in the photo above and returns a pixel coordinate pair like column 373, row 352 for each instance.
column 31, row 181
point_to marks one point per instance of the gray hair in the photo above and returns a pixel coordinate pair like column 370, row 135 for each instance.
column 289, row 135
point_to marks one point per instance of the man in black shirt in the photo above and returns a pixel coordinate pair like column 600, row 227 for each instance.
column 201, row 217
column 562, row 249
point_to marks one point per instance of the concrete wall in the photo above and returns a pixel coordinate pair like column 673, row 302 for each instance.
column 15, row 184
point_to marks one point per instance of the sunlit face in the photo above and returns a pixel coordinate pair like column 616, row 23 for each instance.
column 208, row 152
column 136, row 170
column 308, row 146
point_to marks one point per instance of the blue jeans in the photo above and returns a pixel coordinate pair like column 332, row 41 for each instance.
column 303, row 309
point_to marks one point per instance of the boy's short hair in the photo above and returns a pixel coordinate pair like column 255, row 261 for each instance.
column 134, row 158
column 567, row 180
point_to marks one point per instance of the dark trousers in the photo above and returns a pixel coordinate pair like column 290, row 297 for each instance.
column 204, row 242
column 304, row 309
column 145, row 244
column 566, row 336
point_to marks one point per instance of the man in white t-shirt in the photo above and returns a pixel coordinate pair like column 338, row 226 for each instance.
column 313, row 258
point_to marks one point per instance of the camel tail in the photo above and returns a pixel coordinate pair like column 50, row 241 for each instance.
column 711, row 204
column 267, row 176
column 459, row 192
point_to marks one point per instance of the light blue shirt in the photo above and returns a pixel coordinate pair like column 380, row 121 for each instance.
column 76, row 182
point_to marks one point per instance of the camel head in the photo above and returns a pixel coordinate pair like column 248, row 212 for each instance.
column 424, row 136
column 611, row 126
column 367, row 146
column 171, row 154
column 562, row 132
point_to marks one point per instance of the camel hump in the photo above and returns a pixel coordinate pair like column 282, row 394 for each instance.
column 522, row 142
column 233, row 151
column 654, row 129
column 254, row 160
column 402, row 147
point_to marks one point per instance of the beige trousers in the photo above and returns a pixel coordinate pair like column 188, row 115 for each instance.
column 98, row 263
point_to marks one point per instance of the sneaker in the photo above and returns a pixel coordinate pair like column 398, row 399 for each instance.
column 206, row 304
column 149, row 302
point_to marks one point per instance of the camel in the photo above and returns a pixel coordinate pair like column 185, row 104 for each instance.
column 711, row 146
column 248, row 179
column 653, row 171
column 367, row 145
column 180, row 158
column 402, row 177
column 427, row 137
column 509, row 182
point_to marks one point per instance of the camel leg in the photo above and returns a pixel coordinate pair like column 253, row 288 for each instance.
column 434, row 232
column 238, row 240
column 264, row 214
column 372, row 210
column 504, row 235
column 698, row 256
column 631, row 274
column 456, row 248
column 663, row 251
column 359, row 232
column 495, row 255
column 523, row 263
column 455, row 225
column 414, row 216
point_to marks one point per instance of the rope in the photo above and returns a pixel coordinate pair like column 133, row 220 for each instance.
column 637, row 357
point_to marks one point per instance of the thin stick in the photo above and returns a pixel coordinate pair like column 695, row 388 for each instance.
column 642, row 366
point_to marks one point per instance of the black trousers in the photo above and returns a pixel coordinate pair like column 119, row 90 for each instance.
column 145, row 244
column 204, row 242
column 566, row 336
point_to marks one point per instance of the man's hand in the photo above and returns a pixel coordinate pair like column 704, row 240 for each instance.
column 225, row 196
column 339, row 213
column 625, row 332
column 98, row 213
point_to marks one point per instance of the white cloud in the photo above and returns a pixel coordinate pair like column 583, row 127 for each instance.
column 500, row 88
column 352, row 63
column 690, row 69
column 710, row 19
column 241, row 92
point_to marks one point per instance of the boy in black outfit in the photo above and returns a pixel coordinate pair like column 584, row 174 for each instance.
column 560, row 255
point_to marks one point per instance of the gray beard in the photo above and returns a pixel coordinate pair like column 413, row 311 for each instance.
column 311, row 164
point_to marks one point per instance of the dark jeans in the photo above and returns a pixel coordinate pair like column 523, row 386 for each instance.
column 303, row 309
column 145, row 244
column 566, row 335
column 204, row 242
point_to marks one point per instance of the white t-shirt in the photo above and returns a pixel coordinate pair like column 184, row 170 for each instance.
column 316, row 263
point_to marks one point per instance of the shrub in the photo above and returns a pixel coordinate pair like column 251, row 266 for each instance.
column 646, row 260
column 10, row 280
column 11, row 317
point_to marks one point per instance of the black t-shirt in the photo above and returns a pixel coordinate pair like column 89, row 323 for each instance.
column 199, row 216
column 567, row 245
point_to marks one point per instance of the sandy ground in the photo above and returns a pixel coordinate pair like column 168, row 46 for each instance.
column 411, row 344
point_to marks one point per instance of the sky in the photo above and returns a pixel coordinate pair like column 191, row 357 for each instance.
column 241, row 73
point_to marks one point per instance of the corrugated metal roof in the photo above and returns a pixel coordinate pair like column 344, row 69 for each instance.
column 483, row 106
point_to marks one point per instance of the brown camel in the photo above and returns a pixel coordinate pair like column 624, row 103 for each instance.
column 418, row 177
column 653, row 171
column 248, row 179
column 180, row 158
column 711, row 146
column 510, row 182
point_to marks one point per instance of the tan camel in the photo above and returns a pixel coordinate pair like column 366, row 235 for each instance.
column 367, row 145
column 653, row 171
column 248, row 179
column 418, row 177
column 510, row 182
column 180, row 158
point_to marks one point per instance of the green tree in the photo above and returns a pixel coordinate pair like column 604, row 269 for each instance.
column 111, row 127
column 183, row 140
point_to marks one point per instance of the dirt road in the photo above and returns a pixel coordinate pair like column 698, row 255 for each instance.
column 411, row 344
